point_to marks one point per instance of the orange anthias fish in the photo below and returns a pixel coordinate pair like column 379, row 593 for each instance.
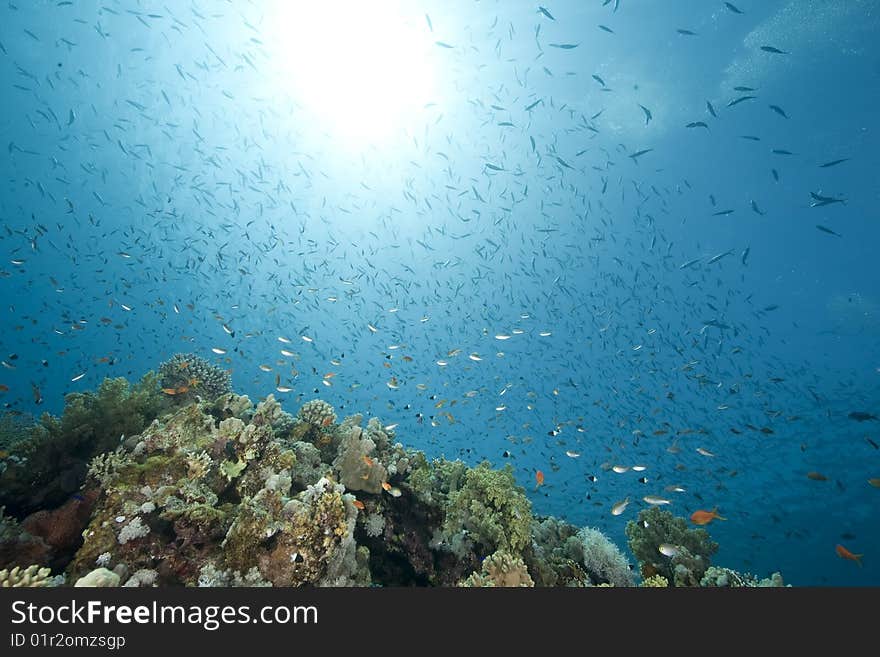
column 843, row 553
column 705, row 517
column 539, row 478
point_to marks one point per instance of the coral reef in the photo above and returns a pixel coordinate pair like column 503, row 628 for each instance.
column 501, row 569
column 186, row 377
column 138, row 487
column 191, row 490
column 686, row 552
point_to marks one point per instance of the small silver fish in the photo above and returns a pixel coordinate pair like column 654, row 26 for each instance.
column 669, row 550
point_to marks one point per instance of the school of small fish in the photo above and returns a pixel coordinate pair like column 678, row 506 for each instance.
column 570, row 262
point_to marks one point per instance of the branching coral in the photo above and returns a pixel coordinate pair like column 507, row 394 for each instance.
column 655, row 581
column 603, row 560
column 104, row 468
column 433, row 482
column 374, row 524
column 32, row 576
column 211, row 576
column 133, row 530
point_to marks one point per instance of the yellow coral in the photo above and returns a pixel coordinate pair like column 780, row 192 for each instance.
column 501, row 569
column 32, row 576
column 655, row 581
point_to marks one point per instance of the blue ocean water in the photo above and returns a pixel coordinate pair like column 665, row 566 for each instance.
column 568, row 238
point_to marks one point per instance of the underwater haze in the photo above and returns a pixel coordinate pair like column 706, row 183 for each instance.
column 572, row 238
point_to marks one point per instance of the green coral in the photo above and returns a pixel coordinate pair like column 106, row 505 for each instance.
column 116, row 410
column 232, row 470
column 488, row 513
column 51, row 463
column 432, row 482
column 556, row 556
column 693, row 547
column 15, row 427
column 655, row 581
